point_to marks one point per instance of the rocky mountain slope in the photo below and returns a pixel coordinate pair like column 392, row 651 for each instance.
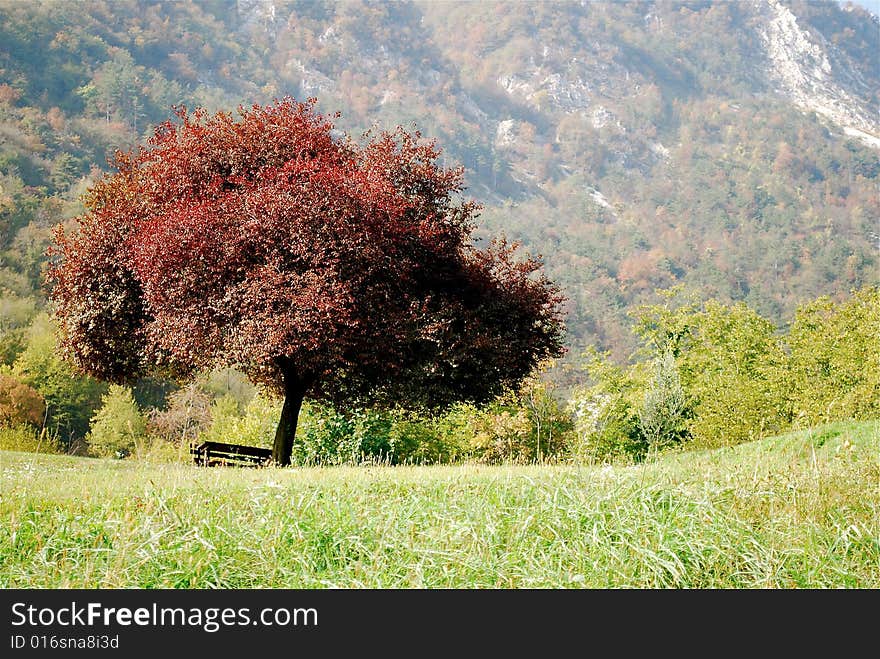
column 731, row 147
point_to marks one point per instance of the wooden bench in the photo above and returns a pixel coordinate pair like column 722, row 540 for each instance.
column 218, row 454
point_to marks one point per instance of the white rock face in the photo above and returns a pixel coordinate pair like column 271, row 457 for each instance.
column 600, row 117
column 312, row 83
column 568, row 95
column 259, row 13
column 388, row 96
column 329, row 35
column 660, row 151
column 566, row 90
column 868, row 139
column 468, row 106
column 801, row 64
column 505, row 135
column 600, row 200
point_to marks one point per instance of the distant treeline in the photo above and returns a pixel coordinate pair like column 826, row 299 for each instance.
column 706, row 374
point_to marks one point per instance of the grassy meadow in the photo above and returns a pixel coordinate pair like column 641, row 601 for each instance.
column 801, row 510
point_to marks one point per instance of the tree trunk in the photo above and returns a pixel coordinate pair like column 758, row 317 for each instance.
column 294, row 392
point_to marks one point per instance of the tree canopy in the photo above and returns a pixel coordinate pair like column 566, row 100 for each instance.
column 320, row 266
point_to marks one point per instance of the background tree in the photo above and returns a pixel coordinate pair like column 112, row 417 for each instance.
column 118, row 428
column 730, row 363
column 834, row 358
column 186, row 414
column 20, row 403
column 664, row 411
column 70, row 398
column 318, row 266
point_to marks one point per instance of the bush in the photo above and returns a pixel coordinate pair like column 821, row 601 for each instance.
column 524, row 426
column 734, row 369
column 19, row 403
column 664, row 412
column 16, row 314
column 255, row 427
column 606, row 427
column 455, row 432
column 12, row 344
column 71, row 399
column 328, row 437
column 501, row 434
column 606, row 422
column 324, row 437
column 118, row 427
column 422, row 439
column 27, row 439
column 160, row 450
column 188, row 413
column 731, row 366
column 834, row 364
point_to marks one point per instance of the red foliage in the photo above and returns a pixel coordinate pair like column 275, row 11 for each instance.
column 266, row 244
column 20, row 403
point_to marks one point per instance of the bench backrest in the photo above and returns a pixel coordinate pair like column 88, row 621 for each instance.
column 219, row 453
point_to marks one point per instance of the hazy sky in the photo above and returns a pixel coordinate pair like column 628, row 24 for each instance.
column 871, row 5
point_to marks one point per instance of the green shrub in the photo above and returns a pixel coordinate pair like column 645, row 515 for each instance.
column 328, row 437
column 455, row 433
column 606, row 422
column 425, row 439
column 523, row 426
column 27, row 439
column 502, row 434
column 734, row 369
column 731, row 366
column 161, row 450
column 255, row 427
column 71, row 399
column 607, row 428
column 12, row 344
column 834, row 365
column 664, row 412
column 118, row 427
column 323, row 437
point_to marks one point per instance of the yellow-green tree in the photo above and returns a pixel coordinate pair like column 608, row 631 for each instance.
column 731, row 364
column 118, row 427
column 834, row 364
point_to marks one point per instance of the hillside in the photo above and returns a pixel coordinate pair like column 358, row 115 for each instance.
column 729, row 146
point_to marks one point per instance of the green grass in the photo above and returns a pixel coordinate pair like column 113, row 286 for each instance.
column 796, row 511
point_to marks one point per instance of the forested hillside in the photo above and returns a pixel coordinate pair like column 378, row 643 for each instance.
column 729, row 146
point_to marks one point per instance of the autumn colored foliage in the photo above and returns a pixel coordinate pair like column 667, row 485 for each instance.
column 20, row 403
column 319, row 266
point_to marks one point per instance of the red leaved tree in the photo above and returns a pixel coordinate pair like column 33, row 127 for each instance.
column 318, row 266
